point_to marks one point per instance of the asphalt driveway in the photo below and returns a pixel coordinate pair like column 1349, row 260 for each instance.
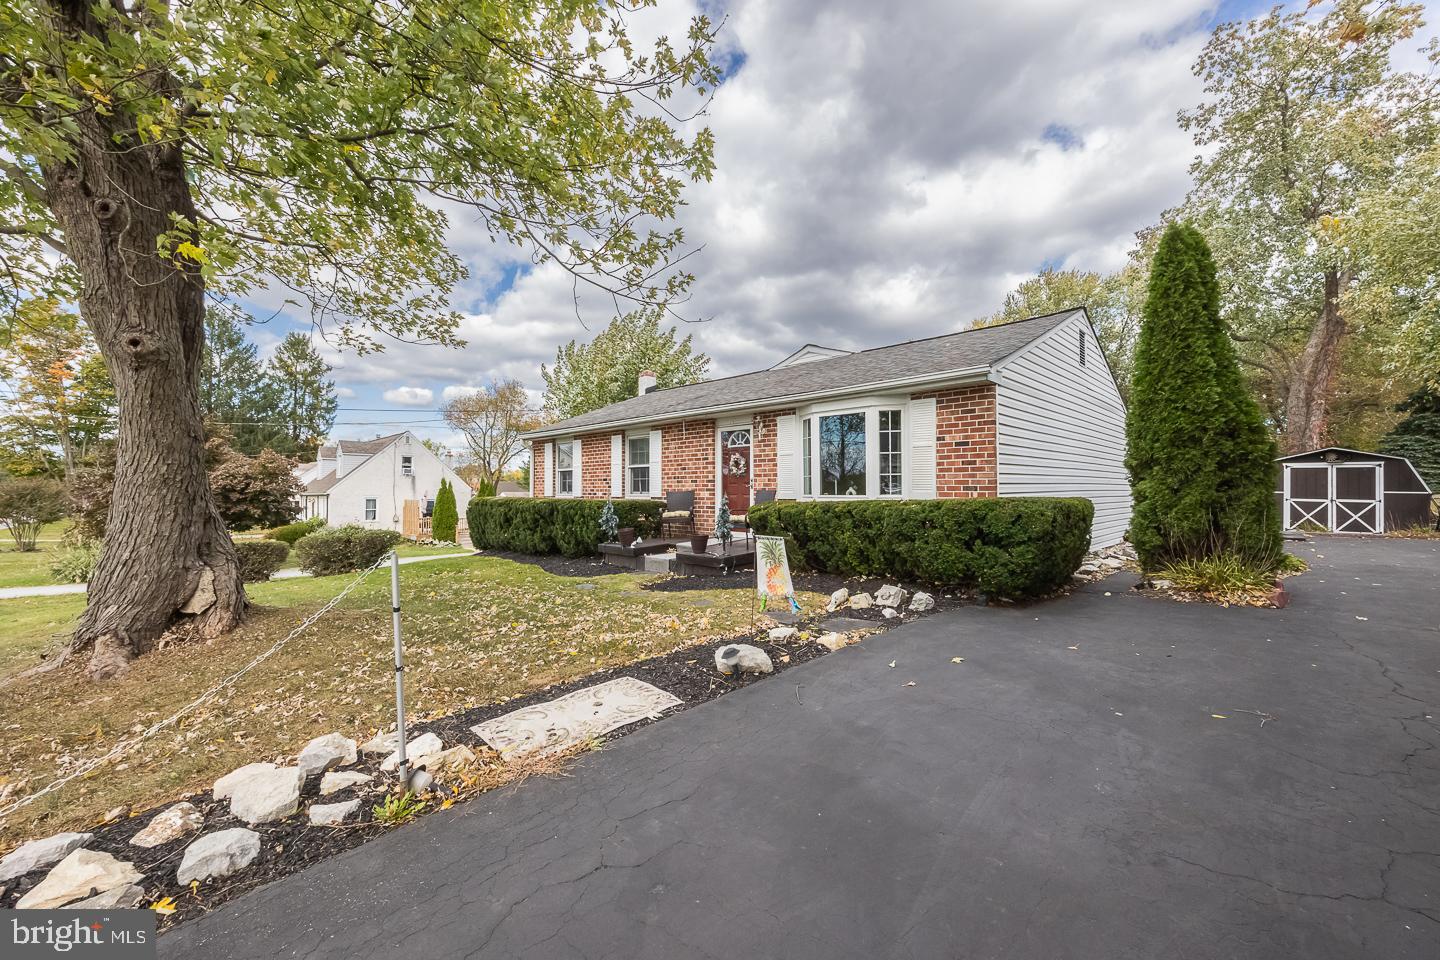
column 1099, row 778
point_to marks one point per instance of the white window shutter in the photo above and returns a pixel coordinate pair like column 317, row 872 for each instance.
column 657, row 480
column 549, row 469
column 617, row 475
column 787, row 456
column 920, row 472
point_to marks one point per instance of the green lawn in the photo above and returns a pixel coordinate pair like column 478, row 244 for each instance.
column 477, row 630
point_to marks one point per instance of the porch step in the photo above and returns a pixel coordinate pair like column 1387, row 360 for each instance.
column 659, row 562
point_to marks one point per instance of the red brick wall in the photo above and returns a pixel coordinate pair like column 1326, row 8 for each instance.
column 764, row 469
column 965, row 441
column 687, row 454
column 595, row 465
column 538, row 467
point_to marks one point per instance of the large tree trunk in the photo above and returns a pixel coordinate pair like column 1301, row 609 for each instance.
column 1312, row 382
column 168, row 560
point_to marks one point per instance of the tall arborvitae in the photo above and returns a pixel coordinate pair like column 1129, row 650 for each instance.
column 444, row 517
column 1199, row 452
column 1174, row 403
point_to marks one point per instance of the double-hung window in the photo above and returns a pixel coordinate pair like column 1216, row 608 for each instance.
column 407, row 466
column 370, row 511
column 891, row 479
column 806, row 473
column 637, row 459
column 565, row 459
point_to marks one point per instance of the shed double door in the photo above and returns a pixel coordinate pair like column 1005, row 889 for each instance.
column 1339, row 497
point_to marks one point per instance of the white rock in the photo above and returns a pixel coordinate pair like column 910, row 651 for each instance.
column 226, row 785
column 1162, row 584
column 322, row 753
column 890, row 613
column 921, row 602
column 861, row 601
column 781, row 634
column 82, row 874
column 454, row 757
column 338, row 780
column 1088, row 569
column 41, row 853
column 418, row 747
column 121, row 898
column 331, row 814
column 1111, row 563
column 219, row 854
column 267, row 795
column 837, row 599
column 742, row 658
column 833, row 641
column 169, row 824
column 890, row 596
column 381, row 743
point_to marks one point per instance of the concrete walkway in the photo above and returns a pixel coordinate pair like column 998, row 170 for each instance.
column 1103, row 776
column 288, row 573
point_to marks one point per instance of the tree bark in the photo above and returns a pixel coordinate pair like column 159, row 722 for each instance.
column 1312, row 381
column 167, row 560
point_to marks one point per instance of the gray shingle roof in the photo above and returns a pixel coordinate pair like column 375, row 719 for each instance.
column 321, row 484
column 934, row 356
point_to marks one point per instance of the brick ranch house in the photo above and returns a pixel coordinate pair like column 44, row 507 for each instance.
column 1028, row 408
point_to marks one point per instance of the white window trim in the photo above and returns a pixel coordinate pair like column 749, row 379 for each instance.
column 870, row 407
column 574, row 445
column 650, row 465
column 368, row 509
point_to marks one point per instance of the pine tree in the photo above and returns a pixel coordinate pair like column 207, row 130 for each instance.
column 609, row 522
column 306, row 394
column 1417, row 437
column 444, row 518
column 1199, row 454
column 723, row 522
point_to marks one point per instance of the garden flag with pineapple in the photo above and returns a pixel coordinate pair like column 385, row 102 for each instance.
column 772, row 574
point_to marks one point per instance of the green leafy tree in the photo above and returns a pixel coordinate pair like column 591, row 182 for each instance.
column 1198, row 451
column 304, row 395
column 168, row 152
column 588, row 376
column 1417, row 436
column 27, row 504
column 444, row 518
column 1306, row 129
column 236, row 391
column 256, row 492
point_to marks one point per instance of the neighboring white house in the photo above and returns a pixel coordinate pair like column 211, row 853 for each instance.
column 367, row 482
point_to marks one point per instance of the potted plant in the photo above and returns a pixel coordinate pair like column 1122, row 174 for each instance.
column 699, row 542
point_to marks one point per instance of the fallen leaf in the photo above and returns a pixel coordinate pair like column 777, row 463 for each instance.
column 449, row 802
column 1362, row 618
column 910, row 684
column 892, row 664
column 1219, row 716
column 1076, row 647
column 957, row 659
column 164, row 907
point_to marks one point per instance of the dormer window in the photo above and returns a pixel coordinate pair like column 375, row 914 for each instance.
column 407, row 467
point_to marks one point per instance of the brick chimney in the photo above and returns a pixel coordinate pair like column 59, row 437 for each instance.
column 647, row 381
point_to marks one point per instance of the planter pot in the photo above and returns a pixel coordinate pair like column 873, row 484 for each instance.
column 699, row 543
column 626, row 535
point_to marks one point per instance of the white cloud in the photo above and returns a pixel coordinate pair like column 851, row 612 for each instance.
column 410, row 396
column 345, row 393
column 457, row 390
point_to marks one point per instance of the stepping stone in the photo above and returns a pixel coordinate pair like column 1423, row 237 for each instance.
column 574, row 718
column 339, row 780
column 847, row 624
column 81, row 875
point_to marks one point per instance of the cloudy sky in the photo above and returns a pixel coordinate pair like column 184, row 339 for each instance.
column 884, row 171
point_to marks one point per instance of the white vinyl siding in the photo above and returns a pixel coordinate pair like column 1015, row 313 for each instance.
column 617, row 474
column 920, row 478
column 1060, row 428
column 786, row 440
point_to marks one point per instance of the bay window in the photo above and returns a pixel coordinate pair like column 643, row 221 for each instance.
column 852, row 452
column 565, row 463
column 891, row 484
column 842, row 455
column 637, row 460
column 805, row 472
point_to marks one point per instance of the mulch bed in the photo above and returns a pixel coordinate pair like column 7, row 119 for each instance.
column 289, row 846
column 557, row 565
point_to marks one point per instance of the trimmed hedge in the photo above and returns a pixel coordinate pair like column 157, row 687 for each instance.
column 1014, row 547
column 294, row 531
column 343, row 549
column 563, row 525
column 259, row 559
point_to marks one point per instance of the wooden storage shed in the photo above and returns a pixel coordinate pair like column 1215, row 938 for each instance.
column 1350, row 491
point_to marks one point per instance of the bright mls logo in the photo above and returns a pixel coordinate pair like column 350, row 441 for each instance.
column 82, row 934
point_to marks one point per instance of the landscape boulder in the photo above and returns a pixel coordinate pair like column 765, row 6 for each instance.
column 921, row 602
column 833, row 641
column 837, row 599
column 890, row 596
column 169, row 824
column 226, row 785
column 127, row 897
column 41, row 853
column 384, row 742
column 331, row 814
column 338, row 780
column 416, row 748
column 266, row 795
column 445, row 759
column 782, row 634
column 322, row 753
column 861, row 601
column 219, row 854
column 889, row 613
column 742, row 658
column 82, row 874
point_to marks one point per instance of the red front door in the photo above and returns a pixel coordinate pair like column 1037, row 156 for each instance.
column 735, row 469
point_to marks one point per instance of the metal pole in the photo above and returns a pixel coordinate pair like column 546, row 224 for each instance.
column 399, row 668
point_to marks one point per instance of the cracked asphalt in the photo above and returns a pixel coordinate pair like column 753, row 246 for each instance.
column 1099, row 778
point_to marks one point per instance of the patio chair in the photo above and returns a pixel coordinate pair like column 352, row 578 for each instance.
column 679, row 512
